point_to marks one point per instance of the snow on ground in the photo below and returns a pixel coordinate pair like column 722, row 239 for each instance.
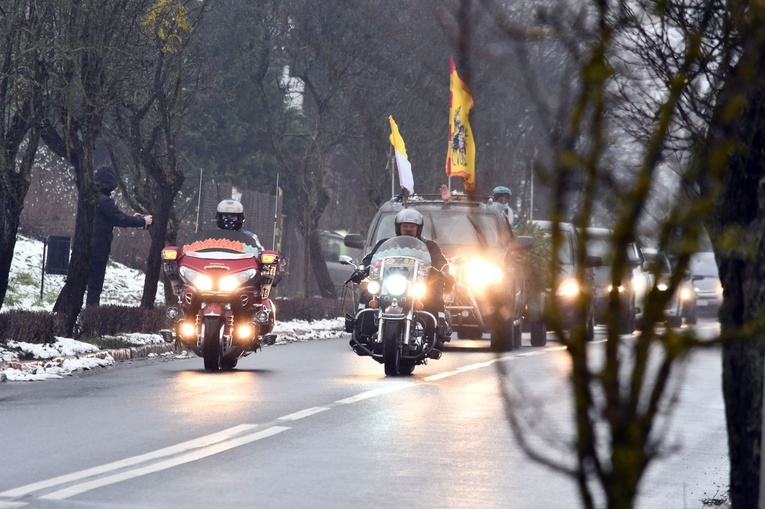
column 122, row 286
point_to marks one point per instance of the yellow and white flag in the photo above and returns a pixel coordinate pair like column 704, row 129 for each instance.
column 405, row 177
column 460, row 156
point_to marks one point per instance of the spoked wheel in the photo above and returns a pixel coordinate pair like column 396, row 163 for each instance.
column 211, row 349
column 391, row 350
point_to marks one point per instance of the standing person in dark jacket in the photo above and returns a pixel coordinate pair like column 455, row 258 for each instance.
column 108, row 215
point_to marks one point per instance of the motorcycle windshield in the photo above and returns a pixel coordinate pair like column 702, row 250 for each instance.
column 220, row 241
column 403, row 255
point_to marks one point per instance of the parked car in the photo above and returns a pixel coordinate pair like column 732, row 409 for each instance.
column 632, row 287
column 482, row 250
column 567, row 288
column 333, row 247
column 682, row 305
column 706, row 284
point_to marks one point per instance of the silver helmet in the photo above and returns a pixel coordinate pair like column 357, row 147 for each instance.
column 226, row 207
column 409, row 216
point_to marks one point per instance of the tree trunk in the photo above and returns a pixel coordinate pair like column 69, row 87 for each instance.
column 13, row 190
column 740, row 215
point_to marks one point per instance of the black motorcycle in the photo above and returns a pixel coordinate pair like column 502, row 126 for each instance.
column 390, row 324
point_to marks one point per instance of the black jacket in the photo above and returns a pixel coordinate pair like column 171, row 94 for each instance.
column 108, row 215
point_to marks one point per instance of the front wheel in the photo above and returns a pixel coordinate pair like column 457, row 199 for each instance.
column 391, row 349
column 211, row 347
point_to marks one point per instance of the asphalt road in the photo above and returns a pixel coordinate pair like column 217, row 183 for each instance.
column 313, row 425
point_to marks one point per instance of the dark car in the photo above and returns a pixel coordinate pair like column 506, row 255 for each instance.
column 631, row 288
column 567, row 289
column 479, row 243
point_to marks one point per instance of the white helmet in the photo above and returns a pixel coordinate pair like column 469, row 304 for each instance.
column 409, row 216
column 230, row 206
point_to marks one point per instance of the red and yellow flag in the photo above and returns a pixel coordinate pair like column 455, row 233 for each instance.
column 460, row 156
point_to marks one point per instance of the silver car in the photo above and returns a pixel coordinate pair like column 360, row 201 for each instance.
column 706, row 283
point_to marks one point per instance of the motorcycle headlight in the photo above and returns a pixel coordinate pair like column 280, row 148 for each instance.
column 395, row 284
column 480, row 273
column 373, row 287
column 686, row 294
column 231, row 282
column 638, row 284
column 568, row 288
column 201, row 281
column 662, row 287
column 610, row 288
column 418, row 290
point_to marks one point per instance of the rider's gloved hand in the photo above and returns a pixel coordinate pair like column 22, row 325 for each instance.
column 358, row 275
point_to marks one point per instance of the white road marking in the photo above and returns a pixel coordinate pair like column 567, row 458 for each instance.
column 303, row 413
column 376, row 392
column 163, row 465
column 532, row 353
column 209, row 445
column 11, row 505
column 109, row 467
column 439, row 376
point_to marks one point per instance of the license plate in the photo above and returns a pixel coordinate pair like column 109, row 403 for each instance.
column 701, row 303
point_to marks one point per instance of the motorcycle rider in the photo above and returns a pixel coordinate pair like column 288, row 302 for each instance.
column 410, row 222
column 230, row 216
column 501, row 194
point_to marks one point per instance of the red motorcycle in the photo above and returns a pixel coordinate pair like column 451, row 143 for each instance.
column 223, row 282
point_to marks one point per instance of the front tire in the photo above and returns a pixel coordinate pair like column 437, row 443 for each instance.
column 538, row 333
column 211, row 348
column 391, row 350
column 502, row 336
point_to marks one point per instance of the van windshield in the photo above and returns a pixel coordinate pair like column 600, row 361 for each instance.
column 452, row 227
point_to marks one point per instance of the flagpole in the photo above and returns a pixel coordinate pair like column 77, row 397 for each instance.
column 392, row 164
column 199, row 199
column 276, row 211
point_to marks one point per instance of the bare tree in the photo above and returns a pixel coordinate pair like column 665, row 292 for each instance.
column 147, row 122
column 88, row 43
column 22, row 79
column 659, row 81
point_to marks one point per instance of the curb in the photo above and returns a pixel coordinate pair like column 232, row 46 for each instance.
column 118, row 354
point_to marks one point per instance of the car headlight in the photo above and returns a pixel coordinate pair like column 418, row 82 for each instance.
column 201, row 281
column 568, row 288
column 480, row 273
column 231, row 282
column 395, row 284
column 418, row 290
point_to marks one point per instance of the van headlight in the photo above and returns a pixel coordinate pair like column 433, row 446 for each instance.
column 480, row 273
column 568, row 288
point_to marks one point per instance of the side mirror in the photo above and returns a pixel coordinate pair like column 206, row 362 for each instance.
column 354, row 240
column 345, row 260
